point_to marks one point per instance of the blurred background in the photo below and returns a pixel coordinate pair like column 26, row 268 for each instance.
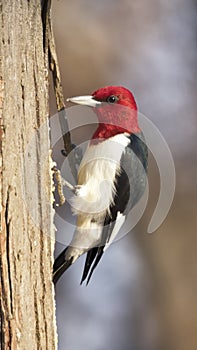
column 143, row 295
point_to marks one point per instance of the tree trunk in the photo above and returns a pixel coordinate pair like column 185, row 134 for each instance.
column 26, row 242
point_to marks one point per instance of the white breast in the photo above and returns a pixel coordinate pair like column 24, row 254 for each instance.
column 96, row 177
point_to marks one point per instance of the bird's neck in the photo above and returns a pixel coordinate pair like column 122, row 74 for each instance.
column 114, row 120
column 105, row 131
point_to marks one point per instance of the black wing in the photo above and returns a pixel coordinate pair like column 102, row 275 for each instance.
column 130, row 186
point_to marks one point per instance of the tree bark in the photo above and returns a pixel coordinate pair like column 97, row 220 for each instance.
column 26, row 237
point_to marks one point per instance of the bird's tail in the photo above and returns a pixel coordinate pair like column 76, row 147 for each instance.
column 64, row 261
column 61, row 264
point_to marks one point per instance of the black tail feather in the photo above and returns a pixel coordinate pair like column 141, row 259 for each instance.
column 89, row 260
column 60, row 265
column 98, row 258
column 97, row 252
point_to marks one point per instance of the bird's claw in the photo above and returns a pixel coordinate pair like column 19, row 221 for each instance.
column 77, row 153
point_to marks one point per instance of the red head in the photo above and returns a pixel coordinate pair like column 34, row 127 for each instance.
column 115, row 108
column 115, row 95
column 117, row 113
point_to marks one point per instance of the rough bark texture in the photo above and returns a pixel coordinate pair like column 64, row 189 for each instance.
column 26, row 245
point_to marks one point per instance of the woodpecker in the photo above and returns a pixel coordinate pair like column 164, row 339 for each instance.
column 112, row 177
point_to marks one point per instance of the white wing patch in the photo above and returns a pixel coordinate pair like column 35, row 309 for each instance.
column 119, row 223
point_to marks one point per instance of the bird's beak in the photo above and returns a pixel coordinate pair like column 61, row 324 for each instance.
column 84, row 100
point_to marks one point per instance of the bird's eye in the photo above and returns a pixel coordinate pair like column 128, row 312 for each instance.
column 112, row 99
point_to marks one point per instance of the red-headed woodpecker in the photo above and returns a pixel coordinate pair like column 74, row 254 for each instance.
column 111, row 177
